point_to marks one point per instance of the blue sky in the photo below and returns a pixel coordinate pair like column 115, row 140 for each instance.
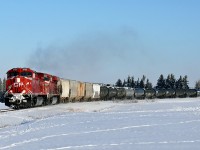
column 102, row 40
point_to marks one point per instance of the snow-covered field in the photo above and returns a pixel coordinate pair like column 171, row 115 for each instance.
column 164, row 124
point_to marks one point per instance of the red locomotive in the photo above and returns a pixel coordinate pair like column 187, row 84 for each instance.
column 28, row 88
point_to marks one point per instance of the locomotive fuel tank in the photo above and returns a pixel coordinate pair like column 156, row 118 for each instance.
column 160, row 93
column 181, row 93
column 139, row 93
column 170, row 93
column 191, row 92
column 150, row 93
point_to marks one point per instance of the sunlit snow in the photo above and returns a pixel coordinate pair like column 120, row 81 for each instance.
column 126, row 125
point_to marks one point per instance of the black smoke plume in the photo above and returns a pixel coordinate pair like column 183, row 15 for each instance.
column 99, row 57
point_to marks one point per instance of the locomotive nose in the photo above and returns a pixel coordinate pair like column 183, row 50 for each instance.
column 16, row 98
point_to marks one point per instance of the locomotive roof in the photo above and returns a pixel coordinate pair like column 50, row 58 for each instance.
column 20, row 70
column 30, row 70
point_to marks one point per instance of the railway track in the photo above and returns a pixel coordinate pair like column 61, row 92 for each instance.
column 6, row 110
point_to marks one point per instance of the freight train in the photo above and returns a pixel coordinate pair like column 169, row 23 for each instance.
column 27, row 88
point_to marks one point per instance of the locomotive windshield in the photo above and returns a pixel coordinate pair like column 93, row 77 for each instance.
column 46, row 79
column 12, row 74
column 26, row 74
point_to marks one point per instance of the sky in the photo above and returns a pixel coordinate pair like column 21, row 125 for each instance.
column 102, row 40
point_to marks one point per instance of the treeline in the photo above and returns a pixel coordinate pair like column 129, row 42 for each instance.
column 162, row 83
column 130, row 82
column 2, row 85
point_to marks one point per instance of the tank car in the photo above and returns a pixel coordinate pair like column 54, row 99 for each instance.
column 191, row 92
column 112, row 93
column 170, row 93
column 150, row 93
column 181, row 93
column 104, row 91
column 198, row 92
column 160, row 93
column 129, row 93
column 139, row 93
column 28, row 88
column 121, row 93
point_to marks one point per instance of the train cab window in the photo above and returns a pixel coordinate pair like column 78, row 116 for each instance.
column 26, row 74
column 12, row 74
column 46, row 79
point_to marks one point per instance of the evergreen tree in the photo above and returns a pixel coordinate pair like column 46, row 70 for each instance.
column 132, row 82
column 148, row 84
column 141, row 83
column 173, row 82
column 119, row 83
column 4, row 84
column 124, row 84
column 185, row 82
column 179, row 83
column 168, row 82
column 1, row 86
column 143, row 78
column 129, row 81
column 161, row 82
column 138, row 83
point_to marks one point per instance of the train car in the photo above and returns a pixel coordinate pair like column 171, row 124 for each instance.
column 64, row 90
column 160, row 93
column 191, row 93
column 170, row 93
column 150, row 93
column 81, row 91
column 139, row 93
column 104, row 91
column 198, row 92
column 181, row 93
column 48, row 86
column 72, row 91
column 28, row 88
column 88, row 91
column 121, row 93
column 112, row 93
column 129, row 93
column 96, row 91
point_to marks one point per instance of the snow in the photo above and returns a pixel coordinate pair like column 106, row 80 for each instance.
column 162, row 124
column 2, row 106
